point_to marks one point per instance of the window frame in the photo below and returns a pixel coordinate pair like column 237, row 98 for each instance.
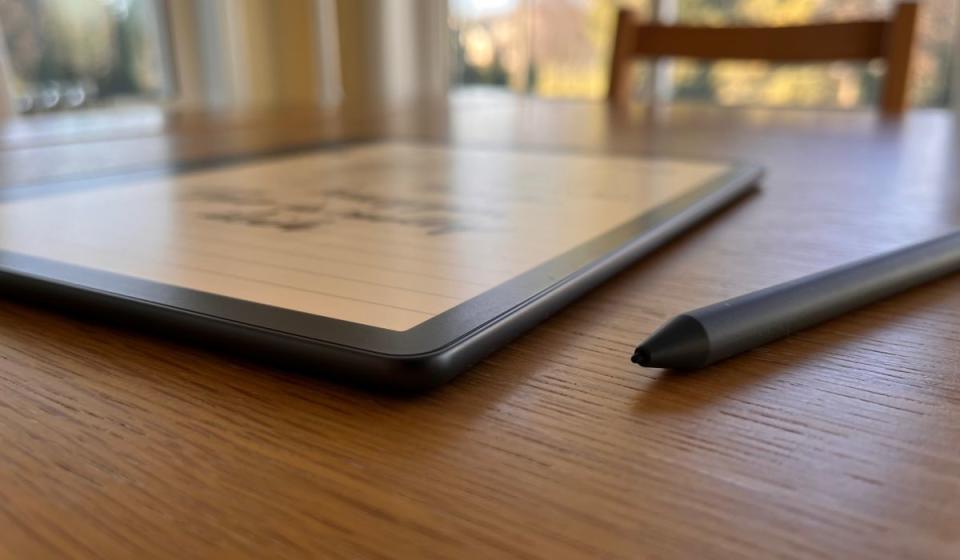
column 7, row 108
column 954, row 94
column 170, row 90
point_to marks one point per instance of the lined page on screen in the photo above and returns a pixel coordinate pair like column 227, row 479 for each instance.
column 387, row 235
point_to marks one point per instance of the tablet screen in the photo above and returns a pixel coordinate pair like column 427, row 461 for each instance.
column 385, row 235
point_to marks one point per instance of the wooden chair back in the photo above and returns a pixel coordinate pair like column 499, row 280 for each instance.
column 890, row 40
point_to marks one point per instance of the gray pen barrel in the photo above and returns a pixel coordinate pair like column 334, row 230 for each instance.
column 748, row 321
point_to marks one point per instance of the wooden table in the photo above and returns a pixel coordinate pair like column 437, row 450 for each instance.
column 840, row 442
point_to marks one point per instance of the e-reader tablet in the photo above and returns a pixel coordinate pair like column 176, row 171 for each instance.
column 391, row 264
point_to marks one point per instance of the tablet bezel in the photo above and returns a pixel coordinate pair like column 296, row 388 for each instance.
column 628, row 241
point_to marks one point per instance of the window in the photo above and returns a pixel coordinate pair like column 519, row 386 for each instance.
column 561, row 48
column 554, row 48
column 67, row 54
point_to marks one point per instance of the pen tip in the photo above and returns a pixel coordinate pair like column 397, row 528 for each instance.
column 641, row 356
column 682, row 343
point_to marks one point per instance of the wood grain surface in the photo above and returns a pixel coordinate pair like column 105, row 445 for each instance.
column 840, row 442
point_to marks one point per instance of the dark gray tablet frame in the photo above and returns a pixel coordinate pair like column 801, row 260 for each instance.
column 422, row 357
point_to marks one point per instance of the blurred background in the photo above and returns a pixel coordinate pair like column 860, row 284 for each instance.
column 69, row 55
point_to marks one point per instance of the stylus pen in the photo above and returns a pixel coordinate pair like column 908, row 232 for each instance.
column 704, row 336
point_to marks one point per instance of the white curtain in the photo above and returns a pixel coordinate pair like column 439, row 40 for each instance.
column 241, row 54
column 393, row 51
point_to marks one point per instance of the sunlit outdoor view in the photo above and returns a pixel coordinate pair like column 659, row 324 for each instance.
column 67, row 54
column 561, row 48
